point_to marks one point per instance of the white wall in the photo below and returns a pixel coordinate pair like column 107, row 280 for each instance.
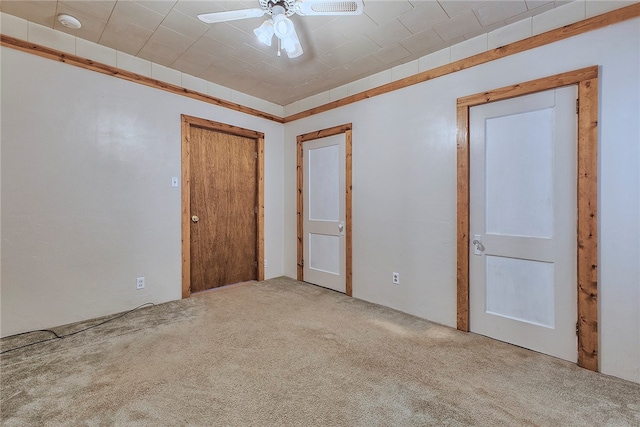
column 87, row 203
column 404, row 185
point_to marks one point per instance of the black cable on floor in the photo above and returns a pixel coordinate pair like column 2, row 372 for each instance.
column 57, row 337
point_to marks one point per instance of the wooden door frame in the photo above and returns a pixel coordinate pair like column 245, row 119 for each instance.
column 187, row 123
column 301, row 139
column 587, row 185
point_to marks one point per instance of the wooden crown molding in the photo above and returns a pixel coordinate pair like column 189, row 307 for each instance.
column 581, row 27
column 590, row 24
column 99, row 67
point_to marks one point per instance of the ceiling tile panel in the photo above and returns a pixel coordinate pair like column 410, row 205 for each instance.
column 457, row 7
column 252, row 55
column 124, row 36
column 160, row 6
column 532, row 4
column 325, row 40
column 228, row 34
column 490, row 13
column 424, row 15
column 298, row 68
column 185, row 24
column 390, row 33
column 531, row 12
column 39, row 12
column 166, row 45
column 384, row 11
column 423, row 43
column 484, row 30
column 349, row 51
column 248, row 25
column 312, row 23
column 136, row 13
column 347, row 26
column 193, row 62
column 194, row 7
column 365, row 66
column 212, row 47
column 100, row 9
column 266, row 70
column 391, row 54
column 458, row 26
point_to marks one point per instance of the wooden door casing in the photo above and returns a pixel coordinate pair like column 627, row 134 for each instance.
column 587, row 200
column 301, row 139
column 222, row 184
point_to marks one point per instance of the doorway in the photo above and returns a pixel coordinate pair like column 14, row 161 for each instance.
column 585, row 196
column 324, row 208
column 222, row 205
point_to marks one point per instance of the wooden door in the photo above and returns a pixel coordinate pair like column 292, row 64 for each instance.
column 223, row 215
column 522, row 260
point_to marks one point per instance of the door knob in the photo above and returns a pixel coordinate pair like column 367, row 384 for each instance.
column 477, row 242
column 195, row 218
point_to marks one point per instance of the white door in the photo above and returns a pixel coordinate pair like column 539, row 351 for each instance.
column 523, row 209
column 324, row 212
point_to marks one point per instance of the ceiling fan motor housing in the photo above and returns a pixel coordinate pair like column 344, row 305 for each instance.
column 287, row 5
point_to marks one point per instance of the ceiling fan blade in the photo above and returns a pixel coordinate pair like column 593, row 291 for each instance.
column 328, row 7
column 230, row 15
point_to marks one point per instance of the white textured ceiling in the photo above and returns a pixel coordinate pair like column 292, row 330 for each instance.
column 337, row 50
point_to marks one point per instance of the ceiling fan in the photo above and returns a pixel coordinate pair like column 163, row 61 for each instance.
column 280, row 24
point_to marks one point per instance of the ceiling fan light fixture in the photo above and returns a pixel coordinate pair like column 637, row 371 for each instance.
column 265, row 32
column 292, row 47
column 282, row 26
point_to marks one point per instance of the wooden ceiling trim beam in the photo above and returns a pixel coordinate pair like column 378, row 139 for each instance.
column 581, row 27
column 88, row 64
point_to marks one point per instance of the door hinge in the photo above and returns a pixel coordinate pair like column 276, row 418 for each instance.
column 255, row 210
column 255, row 264
column 577, row 328
column 578, row 106
column 302, row 263
column 301, row 152
column 255, row 154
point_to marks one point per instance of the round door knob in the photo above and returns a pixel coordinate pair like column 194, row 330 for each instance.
column 195, row 218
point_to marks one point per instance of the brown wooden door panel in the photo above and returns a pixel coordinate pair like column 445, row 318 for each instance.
column 223, row 193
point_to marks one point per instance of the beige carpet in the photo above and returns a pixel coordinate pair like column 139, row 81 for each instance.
column 283, row 353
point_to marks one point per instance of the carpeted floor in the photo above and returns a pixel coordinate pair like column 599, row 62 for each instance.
column 284, row 353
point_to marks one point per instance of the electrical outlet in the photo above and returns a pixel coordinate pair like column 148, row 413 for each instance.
column 140, row 283
column 395, row 277
column 174, row 182
column 266, row 264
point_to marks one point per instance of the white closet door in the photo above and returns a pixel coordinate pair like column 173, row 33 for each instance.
column 523, row 283
column 324, row 212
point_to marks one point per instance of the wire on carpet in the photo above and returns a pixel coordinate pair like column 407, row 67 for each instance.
column 59, row 337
